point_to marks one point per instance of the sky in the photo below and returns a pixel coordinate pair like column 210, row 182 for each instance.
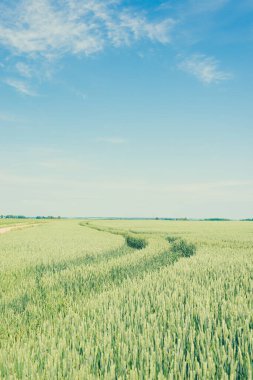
column 126, row 108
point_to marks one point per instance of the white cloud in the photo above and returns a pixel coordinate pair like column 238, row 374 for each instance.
column 203, row 6
column 20, row 86
column 80, row 94
column 64, row 165
column 133, row 27
column 204, row 68
column 24, row 69
column 51, row 28
column 7, row 118
column 112, row 140
column 42, row 30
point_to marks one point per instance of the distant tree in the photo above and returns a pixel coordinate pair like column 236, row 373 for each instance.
column 216, row 219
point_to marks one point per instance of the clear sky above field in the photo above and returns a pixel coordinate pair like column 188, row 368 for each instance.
column 126, row 108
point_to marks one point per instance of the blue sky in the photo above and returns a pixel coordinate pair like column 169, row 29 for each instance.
column 126, row 108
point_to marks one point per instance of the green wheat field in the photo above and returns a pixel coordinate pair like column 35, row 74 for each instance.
column 110, row 299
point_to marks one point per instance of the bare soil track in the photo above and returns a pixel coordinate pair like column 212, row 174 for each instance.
column 4, row 230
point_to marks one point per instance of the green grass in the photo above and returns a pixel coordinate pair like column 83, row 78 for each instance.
column 181, row 248
column 127, row 300
column 136, row 242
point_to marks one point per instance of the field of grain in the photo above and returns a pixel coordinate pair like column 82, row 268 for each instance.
column 127, row 300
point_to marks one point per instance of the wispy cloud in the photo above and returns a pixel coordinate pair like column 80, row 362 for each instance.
column 39, row 31
column 112, row 140
column 80, row 94
column 7, row 118
column 24, row 69
column 49, row 28
column 204, row 68
column 204, row 6
column 20, row 86
column 131, row 27
column 64, row 164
